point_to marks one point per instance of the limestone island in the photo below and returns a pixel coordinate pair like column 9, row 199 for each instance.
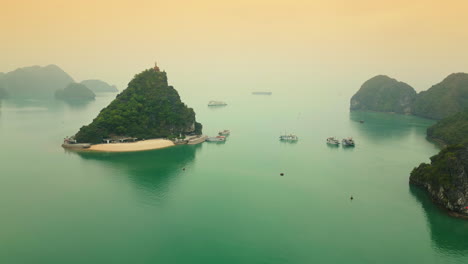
column 384, row 94
column 75, row 91
column 37, row 82
column 99, row 86
column 446, row 178
column 147, row 115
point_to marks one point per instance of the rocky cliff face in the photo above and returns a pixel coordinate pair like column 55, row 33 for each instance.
column 446, row 178
column 384, row 94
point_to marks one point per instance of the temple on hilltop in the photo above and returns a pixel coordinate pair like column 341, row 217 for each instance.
column 156, row 68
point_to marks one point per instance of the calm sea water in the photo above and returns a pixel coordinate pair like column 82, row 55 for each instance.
column 230, row 205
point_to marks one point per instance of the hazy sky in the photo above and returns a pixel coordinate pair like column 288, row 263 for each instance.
column 240, row 44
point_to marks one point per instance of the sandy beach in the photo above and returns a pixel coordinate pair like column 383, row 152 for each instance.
column 134, row 146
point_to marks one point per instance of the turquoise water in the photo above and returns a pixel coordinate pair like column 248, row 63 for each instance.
column 230, row 204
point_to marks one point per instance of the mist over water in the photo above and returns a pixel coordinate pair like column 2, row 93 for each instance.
column 230, row 204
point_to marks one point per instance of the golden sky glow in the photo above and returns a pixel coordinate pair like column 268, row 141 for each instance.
column 208, row 43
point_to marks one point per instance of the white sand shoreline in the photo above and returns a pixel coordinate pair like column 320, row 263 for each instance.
column 149, row 144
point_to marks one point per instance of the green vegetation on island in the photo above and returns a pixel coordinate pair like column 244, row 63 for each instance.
column 384, row 94
column 148, row 108
column 443, row 99
column 75, row 91
column 451, row 130
column 446, row 178
column 99, row 86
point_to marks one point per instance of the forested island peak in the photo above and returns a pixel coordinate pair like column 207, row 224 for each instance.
column 147, row 108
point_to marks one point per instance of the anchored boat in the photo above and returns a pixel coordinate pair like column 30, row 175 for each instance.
column 71, row 143
column 348, row 142
column 216, row 139
column 216, row 103
column 224, row 133
column 290, row 137
column 333, row 141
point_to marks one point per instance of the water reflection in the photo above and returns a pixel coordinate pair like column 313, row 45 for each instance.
column 448, row 234
column 151, row 171
column 76, row 104
column 386, row 126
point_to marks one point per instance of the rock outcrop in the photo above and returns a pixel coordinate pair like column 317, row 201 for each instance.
column 148, row 108
column 446, row 178
column 75, row 91
column 384, row 94
column 450, row 130
column 443, row 99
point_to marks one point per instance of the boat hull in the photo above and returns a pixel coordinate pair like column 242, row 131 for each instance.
column 76, row 146
column 215, row 139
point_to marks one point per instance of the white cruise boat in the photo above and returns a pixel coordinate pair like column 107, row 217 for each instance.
column 216, row 103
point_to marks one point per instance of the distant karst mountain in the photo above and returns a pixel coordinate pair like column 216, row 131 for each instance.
column 35, row 81
column 75, row 91
column 42, row 82
column 99, row 86
column 148, row 108
column 384, row 94
column 3, row 92
column 443, row 99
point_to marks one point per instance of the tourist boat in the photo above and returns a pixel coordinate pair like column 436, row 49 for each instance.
column 224, row 133
column 333, row 141
column 216, row 139
column 290, row 137
column 261, row 93
column 348, row 142
column 216, row 103
column 70, row 143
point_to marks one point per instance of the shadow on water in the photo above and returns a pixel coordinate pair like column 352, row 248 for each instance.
column 348, row 148
column 288, row 142
column 385, row 126
column 448, row 234
column 151, row 171
column 216, row 107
